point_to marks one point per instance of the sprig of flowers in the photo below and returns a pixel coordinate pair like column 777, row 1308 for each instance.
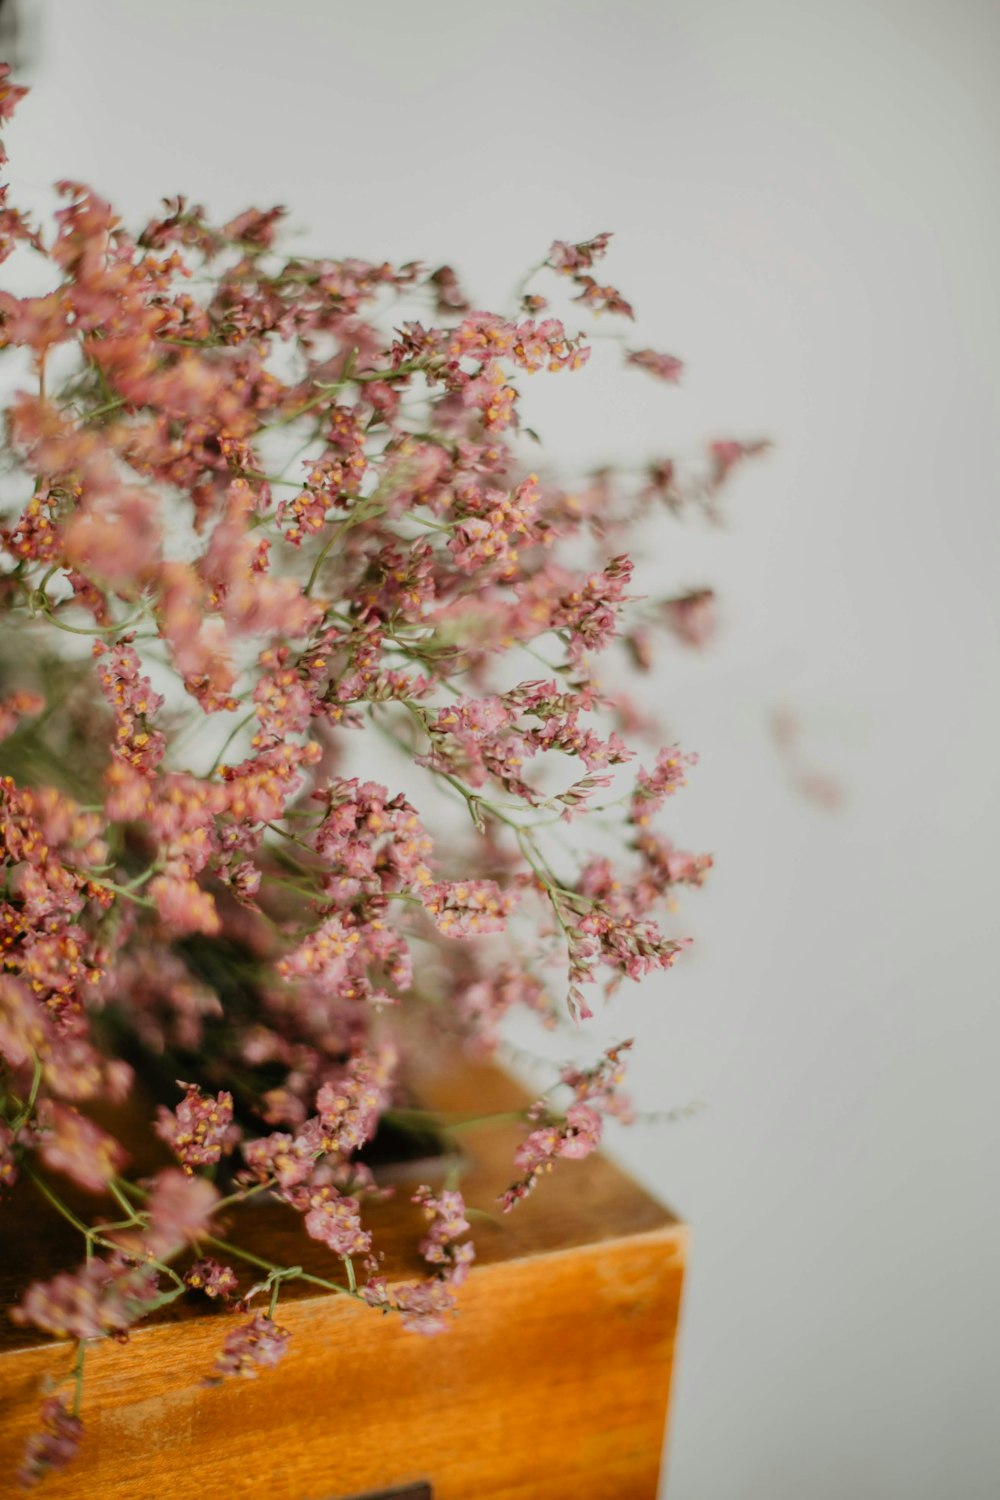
column 259, row 513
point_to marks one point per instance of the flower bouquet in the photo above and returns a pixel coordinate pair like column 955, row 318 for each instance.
column 306, row 769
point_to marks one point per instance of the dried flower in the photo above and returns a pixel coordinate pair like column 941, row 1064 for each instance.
column 254, row 1346
column 54, row 1446
column 180, row 1208
column 73, row 1144
column 294, row 525
column 101, row 1297
column 215, row 1280
column 200, row 1130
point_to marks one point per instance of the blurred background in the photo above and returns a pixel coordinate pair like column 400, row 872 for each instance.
column 803, row 198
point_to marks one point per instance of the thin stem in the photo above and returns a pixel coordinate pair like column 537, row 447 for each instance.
column 229, row 740
column 295, row 1274
column 242, row 1194
column 121, row 890
column 45, row 606
column 57, row 1203
column 123, row 1202
column 362, row 512
column 102, row 411
column 25, row 1109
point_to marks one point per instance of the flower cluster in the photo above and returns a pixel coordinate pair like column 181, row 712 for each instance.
column 270, row 539
column 55, row 1445
column 103, row 1296
column 424, row 1306
column 252, row 1347
column 576, row 1132
column 200, row 1129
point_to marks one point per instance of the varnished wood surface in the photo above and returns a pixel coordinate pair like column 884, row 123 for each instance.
column 552, row 1382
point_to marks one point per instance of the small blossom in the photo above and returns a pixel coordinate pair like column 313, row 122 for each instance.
column 335, row 1221
column 183, row 906
column 349, row 1110
column 589, row 608
column 254, row 1346
column 602, row 298
column 449, row 296
column 288, row 1159
column 445, row 1213
column 468, row 908
column 574, row 1135
column 726, row 455
column 180, row 1209
column 131, row 696
column 55, row 1446
column 572, row 258
column 663, row 366
column 692, row 617
column 215, row 1280
column 16, row 707
column 424, row 1306
column 73, row 1144
column 101, row 1297
column 200, row 1130
column 654, row 787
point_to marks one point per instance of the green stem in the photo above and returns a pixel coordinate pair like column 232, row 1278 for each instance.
column 102, row 411
column 29, row 1104
column 243, row 1194
column 363, row 511
column 57, row 1203
column 121, row 890
column 267, row 1265
column 45, row 606
column 228, row 741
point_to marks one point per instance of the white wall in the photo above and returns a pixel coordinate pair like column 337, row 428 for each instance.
column 804, row 198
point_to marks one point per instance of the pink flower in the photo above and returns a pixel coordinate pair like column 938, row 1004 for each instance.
column 692, row 617
column 182, row 905
column 288, row 1159
column 73, row 1144
column 572, row 258
column 115, row 537
column 445, row 1214
column 101, row 1297
column 336, row 1222
column 200, row 1130
column 663, row 366
column 349, row 1109
column 254, row 1346
column 131, row 696
column 11, row 94
column 448, row 292
column 654, row 787
column 55, row 1446
column 602, row 298
column 180, row 1208
column 726, row 455
column 252, row 227
column 466, row 909
column 424, row 1306
column 210, row 1277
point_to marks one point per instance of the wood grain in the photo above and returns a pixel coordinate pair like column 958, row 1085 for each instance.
column 553, row 1381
